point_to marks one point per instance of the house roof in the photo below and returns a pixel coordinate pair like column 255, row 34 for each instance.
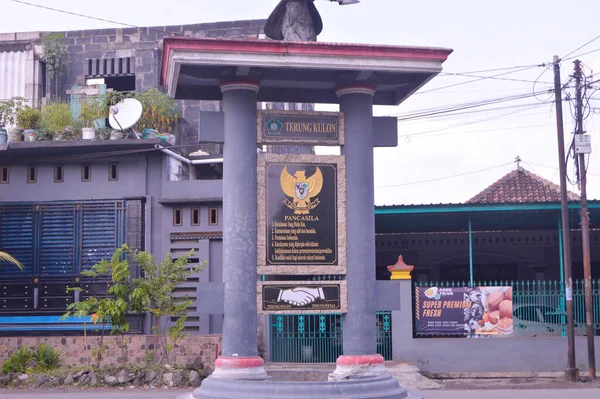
column 521, row 186
column 40, row 150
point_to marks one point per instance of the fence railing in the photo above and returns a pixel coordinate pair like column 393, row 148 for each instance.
column 318, row 338
column 538, row 307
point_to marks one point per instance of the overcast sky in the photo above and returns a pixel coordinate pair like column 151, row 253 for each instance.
column 485, row 35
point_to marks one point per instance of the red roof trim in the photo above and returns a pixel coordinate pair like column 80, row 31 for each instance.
column 300, row 48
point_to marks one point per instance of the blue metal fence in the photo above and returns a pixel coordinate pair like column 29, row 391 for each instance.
column 318, row 338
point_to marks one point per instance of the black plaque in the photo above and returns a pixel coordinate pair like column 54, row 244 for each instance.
column 301, row 214
column 301, row 297
column 299, row 126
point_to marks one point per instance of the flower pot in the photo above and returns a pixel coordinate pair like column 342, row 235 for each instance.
column 14, row 134
column 58, row 136
column 3, row 136
column 29, row 134
column 116, row 135
column 88, row 133
column 149, row 133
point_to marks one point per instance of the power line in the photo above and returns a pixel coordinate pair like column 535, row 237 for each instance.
column 439, row 114
column 488, row 77
column 473, row 131
column 483, row 120
column 582, row 54
column 497, row 76
column 462, row 106
column 582, row 46
column 72, row 13
column 447, row 177
column 502, row 69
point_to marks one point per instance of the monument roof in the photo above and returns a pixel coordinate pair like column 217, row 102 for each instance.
column 193, row 68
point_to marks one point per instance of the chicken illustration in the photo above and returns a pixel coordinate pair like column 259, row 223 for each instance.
column 301, row 189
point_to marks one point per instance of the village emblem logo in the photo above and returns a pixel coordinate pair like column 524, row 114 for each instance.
column 274, row 127
column 301, row 189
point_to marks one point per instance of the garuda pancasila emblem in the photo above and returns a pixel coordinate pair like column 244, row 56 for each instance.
column 301, row 189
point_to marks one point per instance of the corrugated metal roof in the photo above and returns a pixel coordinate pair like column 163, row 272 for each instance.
column 12, row 73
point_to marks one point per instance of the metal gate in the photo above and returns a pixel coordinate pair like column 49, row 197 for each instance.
column 317, row 338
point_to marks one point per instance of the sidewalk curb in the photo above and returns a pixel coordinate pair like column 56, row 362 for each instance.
column 489, row 375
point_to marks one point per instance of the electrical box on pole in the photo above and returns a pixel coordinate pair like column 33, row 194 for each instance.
column 583, row 144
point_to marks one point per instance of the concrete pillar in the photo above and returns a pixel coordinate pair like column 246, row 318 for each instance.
column 240, row 348
column 360, row 332
column 359, row 322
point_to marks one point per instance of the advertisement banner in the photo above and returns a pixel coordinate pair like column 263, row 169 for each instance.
column 443, row 311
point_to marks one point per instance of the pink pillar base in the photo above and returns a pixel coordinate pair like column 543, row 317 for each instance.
column 360, row 365
column 240, row 368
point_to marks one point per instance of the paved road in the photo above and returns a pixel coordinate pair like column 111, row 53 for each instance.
column 515, row 394
column 172, row 394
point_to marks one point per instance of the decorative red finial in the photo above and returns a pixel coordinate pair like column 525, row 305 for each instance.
column 400, row 265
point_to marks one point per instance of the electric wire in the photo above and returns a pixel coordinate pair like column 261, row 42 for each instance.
column 469, row 111
column 426, row 133
column 427, row 112
column 73, row 13
column 497, row 76
column 582, row 46
column 446, row 177
column 479, row 121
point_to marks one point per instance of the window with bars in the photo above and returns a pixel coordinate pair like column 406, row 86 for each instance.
column 3, row 174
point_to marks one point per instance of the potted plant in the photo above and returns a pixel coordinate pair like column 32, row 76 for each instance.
column 160, row 112
column 29, row 119
column 91, row 111
column 57, row 118
column 8, row 114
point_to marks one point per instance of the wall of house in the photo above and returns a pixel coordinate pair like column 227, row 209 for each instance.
column 130, row 183
column 149, row 222
column 494, row 354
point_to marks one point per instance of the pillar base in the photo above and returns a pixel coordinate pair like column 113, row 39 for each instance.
column 359, row 366
column 367, row 388
column 239, row 368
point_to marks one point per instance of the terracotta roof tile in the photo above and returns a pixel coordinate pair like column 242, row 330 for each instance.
column 518, row 186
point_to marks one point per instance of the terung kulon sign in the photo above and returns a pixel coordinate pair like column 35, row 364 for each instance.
column 300, row 127
column 463, row 311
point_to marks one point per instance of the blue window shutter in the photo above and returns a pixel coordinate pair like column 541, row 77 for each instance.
column 57, row 240
column 102, row 229
column 16, row 238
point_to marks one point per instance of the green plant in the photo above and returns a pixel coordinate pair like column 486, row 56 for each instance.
column 9, row 109
column 159, row 111
column 43, row 134
column 40, row 359
column 56, row 117
column 45, row 358
column 55, row 56
column 155, row 293
column 115, row 275
column 91, row 110
column 18, row 362
column 29, row 118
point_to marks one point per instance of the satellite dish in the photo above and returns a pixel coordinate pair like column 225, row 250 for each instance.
column 125, row 114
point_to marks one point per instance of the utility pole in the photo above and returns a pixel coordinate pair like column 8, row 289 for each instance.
column 571, row 373
column 585, row 228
